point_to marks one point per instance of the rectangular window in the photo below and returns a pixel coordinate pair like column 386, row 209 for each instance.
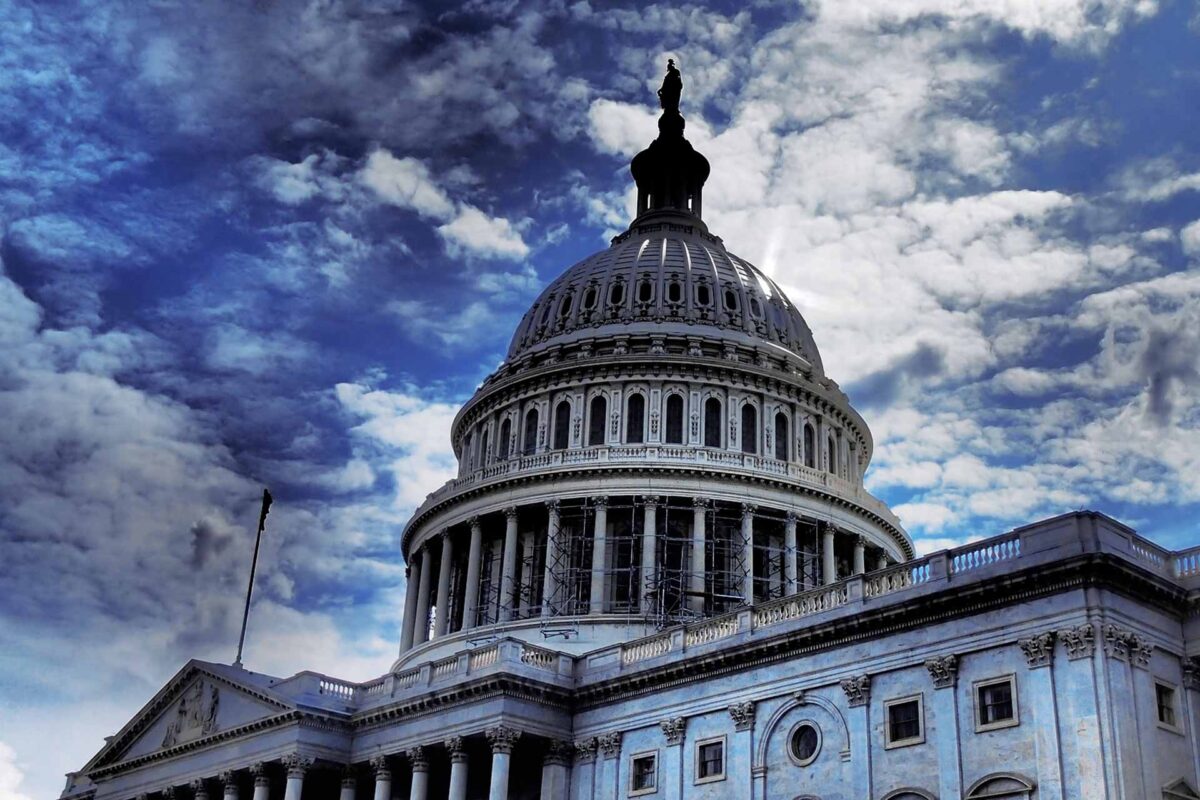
column 905, row 722
column 643, row 774
column 995, row 703
column 1164, row 695
column 710, row 760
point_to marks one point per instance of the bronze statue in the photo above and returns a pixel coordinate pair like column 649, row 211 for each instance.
column 672, row 87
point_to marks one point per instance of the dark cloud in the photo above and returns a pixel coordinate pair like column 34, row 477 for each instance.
column 881, row 389
column 1170, row 365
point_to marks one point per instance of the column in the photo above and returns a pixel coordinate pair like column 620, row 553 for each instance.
column 860, row 555
column 748, row 554
column 441, row 624
column 699, row 547
column 502, row 740
column 411, row 574
column 383, row 778
column 828, row 565
column 943, row 731
column 583, row 776
column 348, row 783
column 883, row 561
column 790, row 554
column 199, row 789
column 458, row 768
column 649, row 570
column 421, row 618
column 599, row 553
column 419, row 789
column 229, row 787
column 296, row 765
column 508, row 575
column 474, row 559
column 262, row 782
column 555, row 785
column 550, row 578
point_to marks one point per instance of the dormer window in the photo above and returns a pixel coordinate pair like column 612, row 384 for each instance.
column 645, row 291
column 731, row 301
column 564, row 310
column 755, row 308
column 674, row 292
column 616, row 295
column 703, row 295
column 589, row 298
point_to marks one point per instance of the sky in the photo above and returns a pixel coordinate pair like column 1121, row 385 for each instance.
column 278, row 243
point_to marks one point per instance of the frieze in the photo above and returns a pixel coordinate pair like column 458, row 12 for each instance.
column 1038, row 650
column 943, row 671
column 857, row 689
column 1079, row 641
column 743, row 715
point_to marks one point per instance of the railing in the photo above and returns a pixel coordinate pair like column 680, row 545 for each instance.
column 1185, row 564
column 375, row 687
column 537, row 657
column 893, row 580
column 406, row 679
column 484, row 657
column 1148, row 552
column 799, row 605
column 644, row 649
column 337, row 688
column 445, row 668
column 981, row 554
column 711, row 630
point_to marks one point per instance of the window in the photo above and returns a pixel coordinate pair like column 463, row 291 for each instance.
column 562, row 425
column 674, row 292
column 589, row 298
column 546, row 310
column 674, row 419
column 645, row 292
column 710, row 760
column 503, row 441
column 905, row 722
column 643, row 774
column 755, row 308
column 468, row 454
column 529, row 441
column 616, row 295
column 995, row 703
column 483, row 449
column 810, row 446
column 564, row 310
column 731, row 302
column 781, row 436
column 635, row 416
column 703, row 295
column 599, row 410
column 833, row 456
column 712, row 422
column 749, row 429
column 804, row 743
column 1164, row 695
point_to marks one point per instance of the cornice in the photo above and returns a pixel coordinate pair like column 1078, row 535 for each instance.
column 492, row 686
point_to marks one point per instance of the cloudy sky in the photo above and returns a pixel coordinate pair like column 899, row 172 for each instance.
column 278, row 243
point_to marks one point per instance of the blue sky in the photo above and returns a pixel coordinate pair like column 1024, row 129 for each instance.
column 279, row 243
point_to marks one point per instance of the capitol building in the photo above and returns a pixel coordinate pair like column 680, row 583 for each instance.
column 658, row 575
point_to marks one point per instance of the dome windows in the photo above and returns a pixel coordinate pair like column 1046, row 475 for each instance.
column 674, row 419
column 549, row 304
column 635, row 419
column 755, row 308
column 529, row 437
column 562, row 425
column 674, row 292
column 616, row 293
column 731, row 300
column 749, row 429
column 597, row 413
column 810, row 446
column 590, row 296
column 703, row 295
column 646, row 291
column 502, row 443
column 712, row 422
column 781, row 436
column 564, row 308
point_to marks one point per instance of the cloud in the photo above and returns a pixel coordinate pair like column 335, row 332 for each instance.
column 11, row 775
column 473, row 232
column 406, row 183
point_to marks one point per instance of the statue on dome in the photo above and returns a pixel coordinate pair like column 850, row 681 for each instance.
column 672, row 88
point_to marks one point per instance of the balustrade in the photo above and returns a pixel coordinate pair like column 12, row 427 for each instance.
column 645, row 648
column 981, row 554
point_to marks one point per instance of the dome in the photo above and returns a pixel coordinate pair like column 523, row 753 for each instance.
column 665, row 278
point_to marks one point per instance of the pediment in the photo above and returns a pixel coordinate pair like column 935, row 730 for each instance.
column 201, row 702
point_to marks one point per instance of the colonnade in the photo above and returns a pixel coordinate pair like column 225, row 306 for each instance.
column 296, row 766
column 436, row 555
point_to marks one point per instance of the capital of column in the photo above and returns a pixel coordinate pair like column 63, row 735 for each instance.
column 559, row 753
column 297, row 764
column 227, row 778
column 585, row 749
column 457, row 747
column 1079, row 641
column 379, row 765
column 142, row 796
column 1191, row 672
column 748, row 509
column 742, row 715
column 600, row 502
column 502, row 738
column 199, row 788
column 259, row 771
column 445, row 533
column 650, row 500
column 610, row 744
column 552, row 506
column 474, row 522
column 701, row 503
column 168, row 793
column 511, row 512
column 673, row 729
column 419, row 759
column 943, row 670
column 791, row 518
column 349, row 776
column 857, row 689
column 860, row 541
column 1038, row 650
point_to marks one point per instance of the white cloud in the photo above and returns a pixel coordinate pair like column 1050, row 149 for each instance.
column 476, row 233
column 405, row 183
column 1189, row 237
column 622, row 129
column 11, row 776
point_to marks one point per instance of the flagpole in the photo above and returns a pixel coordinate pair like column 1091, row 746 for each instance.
column 262, row 523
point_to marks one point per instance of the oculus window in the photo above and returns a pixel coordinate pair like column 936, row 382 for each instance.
column 995, row 703
column 710, row 760
column 804, row 743
column 905, row 722
column 643, row 774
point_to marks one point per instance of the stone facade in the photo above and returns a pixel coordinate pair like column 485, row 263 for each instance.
column 658, row 575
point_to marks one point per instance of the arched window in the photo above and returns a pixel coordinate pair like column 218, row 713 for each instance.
column 1001, row 786
column 712, row 422
column 483, row 449
column 596, row 421
column 781, row 436
column 749, row 429
column 635, row 417
column 468, row 458
column 562, row 425
column 503, row 443
column 529, row 439
column 833, row 454
column 810, row 446
column 674, row 419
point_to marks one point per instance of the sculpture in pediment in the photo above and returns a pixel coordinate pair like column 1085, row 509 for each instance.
column 195, row 715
